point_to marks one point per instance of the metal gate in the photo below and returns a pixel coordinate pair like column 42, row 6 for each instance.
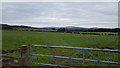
column 83, row 50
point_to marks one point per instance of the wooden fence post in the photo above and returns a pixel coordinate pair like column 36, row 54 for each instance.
column 24, row 55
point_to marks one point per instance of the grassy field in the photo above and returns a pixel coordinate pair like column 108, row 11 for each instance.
column 14, row 39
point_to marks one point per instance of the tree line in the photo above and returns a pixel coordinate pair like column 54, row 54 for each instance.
column 90, row 30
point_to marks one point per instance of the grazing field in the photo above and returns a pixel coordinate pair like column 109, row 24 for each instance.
column 14, row 39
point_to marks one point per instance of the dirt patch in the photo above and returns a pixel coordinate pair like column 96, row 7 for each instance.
column 8, row 61
column 104, row 46
column 107, row 46
column 10, row 51
column 58, row 60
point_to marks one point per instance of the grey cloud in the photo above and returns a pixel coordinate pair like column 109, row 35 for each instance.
column 64, row 13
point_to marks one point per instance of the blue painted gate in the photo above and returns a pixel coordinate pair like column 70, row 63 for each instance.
column 83, row 59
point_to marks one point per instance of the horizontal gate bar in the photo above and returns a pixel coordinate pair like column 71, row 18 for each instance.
column 107, row 50
column 53, row 65
column 76, row 58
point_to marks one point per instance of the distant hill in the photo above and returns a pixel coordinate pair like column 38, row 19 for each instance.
column 68, row 27
column 86, row 29
column 6, row 26
column 76, row 28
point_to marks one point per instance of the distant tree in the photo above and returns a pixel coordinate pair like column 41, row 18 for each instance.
column 26, row 30
column 61, row 30
column 53, row 29
column 76, row 32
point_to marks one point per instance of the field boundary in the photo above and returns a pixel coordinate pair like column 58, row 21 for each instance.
column 8, row 60
column 83, row 50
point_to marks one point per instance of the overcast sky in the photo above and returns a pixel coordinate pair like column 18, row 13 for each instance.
column 47, row 14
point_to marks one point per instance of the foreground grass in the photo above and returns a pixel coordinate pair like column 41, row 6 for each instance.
column 14, row 39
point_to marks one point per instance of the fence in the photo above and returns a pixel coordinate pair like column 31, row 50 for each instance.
column 8, row 60
column 83, row 50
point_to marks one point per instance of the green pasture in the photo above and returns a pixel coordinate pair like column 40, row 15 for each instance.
column 14, row 39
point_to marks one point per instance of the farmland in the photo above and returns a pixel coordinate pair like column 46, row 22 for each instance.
column 14, row 39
